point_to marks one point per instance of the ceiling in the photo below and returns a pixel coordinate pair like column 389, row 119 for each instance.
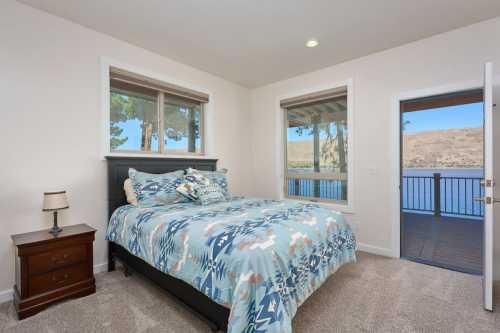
column 324, row 112
column 256, row 42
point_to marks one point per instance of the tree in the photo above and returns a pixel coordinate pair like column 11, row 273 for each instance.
column 128, row 107
column 181, row 123
column 180, row 120
column 405, row 123
column 334, row 146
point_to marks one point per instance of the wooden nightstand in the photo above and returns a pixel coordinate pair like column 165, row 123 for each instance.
column 51, row 268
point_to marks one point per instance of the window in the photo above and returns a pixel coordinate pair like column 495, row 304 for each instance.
column 182, row 126
column 149, row 116
column 133, row 119
column 316, row 146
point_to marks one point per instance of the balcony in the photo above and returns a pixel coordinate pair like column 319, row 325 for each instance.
column 442, row 224
column 449, row 242
column 302, row 186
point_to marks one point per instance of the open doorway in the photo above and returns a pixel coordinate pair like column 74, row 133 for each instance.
column 441, row 178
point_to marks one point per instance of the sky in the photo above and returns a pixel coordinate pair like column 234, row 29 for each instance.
column 459, row 116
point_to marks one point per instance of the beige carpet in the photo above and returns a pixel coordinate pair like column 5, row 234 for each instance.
column 375, row 295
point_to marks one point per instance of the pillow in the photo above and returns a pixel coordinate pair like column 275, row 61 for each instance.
column 156, row 189
column 187, row 187
column 218, row 177
column 129, row 192
column 209, row 194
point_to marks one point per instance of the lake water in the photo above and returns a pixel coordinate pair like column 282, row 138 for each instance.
column 458, row 189
column 448, row 172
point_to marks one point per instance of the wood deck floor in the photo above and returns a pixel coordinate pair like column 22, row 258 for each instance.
column 449, row 242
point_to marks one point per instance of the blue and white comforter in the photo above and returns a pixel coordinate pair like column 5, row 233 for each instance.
column 260, row 258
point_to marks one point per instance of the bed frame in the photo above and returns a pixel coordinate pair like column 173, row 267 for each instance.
column 216, row 315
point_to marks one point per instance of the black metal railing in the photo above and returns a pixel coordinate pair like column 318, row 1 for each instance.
column 317, row 188
column 443, row 195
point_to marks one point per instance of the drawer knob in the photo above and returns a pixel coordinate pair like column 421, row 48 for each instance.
column 58, row 261
column 64, row 278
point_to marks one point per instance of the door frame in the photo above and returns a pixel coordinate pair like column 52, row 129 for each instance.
column 397, row 148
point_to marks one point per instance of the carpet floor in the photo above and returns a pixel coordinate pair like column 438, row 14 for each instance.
column 376, row 294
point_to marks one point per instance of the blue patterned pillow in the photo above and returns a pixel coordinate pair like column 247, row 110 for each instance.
column 209, row 194
column 156, row 189
column 218, row 177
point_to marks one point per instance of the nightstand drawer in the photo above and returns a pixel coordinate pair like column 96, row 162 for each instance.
column 59, row 278
column 49, row 261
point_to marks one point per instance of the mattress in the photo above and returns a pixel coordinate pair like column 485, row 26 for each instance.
column 260, row 258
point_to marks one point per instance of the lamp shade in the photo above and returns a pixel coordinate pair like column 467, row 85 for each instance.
column 55, row 201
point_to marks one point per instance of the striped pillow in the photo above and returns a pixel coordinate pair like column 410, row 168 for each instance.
column 219, row 177
column 209, row 194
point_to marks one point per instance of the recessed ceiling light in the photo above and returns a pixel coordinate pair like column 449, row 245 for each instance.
column 312, row 43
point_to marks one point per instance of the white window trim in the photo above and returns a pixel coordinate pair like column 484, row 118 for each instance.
column 207, row 143
column 279, row 143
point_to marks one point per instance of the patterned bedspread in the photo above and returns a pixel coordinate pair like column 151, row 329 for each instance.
column 261, row 258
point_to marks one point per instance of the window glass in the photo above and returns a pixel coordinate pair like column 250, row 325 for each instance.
column 133, row 122
column 182, row 126
column 316, row 150
column 140, row 124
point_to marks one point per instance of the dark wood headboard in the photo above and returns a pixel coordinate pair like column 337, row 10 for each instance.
column 118, row 172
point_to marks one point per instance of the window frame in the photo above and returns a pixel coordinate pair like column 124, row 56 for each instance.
column 205, row 113
column 345, row 206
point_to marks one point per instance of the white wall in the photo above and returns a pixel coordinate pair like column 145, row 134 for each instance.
column 452, row 58
column 50, row 127
column 50, row 124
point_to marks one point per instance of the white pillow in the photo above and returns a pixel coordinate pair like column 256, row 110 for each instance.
column 129, row 192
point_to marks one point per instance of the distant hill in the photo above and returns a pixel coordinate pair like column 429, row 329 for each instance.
column 300, row 154
column 453, row 148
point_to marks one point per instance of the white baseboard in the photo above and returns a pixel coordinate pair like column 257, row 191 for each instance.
column 6, row 295
column 99, row 268
column 375, row 250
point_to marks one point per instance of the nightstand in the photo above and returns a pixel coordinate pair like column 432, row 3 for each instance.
column 52, row 268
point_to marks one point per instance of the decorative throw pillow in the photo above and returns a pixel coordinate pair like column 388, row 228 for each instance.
column 156, row 189
column 219, row 177
column 209, row 194
column 129, row 192
column 187, row 187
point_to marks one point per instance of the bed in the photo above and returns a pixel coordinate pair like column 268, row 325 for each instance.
column 246, row 264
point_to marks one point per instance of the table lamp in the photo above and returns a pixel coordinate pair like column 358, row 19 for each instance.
column 52, row 202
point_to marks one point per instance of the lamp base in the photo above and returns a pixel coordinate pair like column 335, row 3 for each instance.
column 55, row 229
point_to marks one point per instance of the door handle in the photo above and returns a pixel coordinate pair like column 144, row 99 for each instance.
column 487, row 200
column 487, row 183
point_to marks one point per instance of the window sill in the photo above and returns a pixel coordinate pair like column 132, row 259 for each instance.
column 343, row 208
column 157, row 156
